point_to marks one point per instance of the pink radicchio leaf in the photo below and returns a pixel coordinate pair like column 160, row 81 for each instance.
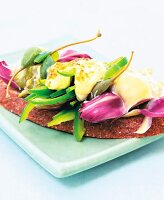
column 5, row 74
column 155, row 108
column 4, row 71
column 72, row 55
column 103, row 107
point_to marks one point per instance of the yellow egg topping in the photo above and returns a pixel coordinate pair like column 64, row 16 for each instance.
column 87, row 73
column 54, row 80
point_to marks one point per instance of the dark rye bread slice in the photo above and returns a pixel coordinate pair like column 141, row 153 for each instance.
column 120, row 128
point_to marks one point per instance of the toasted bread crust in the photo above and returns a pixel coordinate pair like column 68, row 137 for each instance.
column 120, row 128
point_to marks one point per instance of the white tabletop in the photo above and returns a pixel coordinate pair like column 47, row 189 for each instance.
column 126, row 25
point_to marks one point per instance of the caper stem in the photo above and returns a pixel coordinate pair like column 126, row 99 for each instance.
column 79, row 42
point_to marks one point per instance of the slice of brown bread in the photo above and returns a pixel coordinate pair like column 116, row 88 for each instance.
column 120, row 128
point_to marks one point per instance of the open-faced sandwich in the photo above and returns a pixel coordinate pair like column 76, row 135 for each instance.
column 72, row 92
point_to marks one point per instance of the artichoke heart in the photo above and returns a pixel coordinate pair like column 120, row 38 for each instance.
column 29, row 77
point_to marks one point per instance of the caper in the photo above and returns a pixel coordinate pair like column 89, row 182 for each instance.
column 101, row 87
column 30, row 55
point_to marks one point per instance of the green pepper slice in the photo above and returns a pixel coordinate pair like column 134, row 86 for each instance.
column 30, row 97
column 78, row 125
column 41, row 57
column 43, row 90
column 69, row 89
column 26, row 111
column 63, row 116
column 115, row 67
column 23, row 93
column 73, row 103
column 58, row 93
column 55, row 55
column 120, row 61
column 61, row 99
column 68, row 73
column 48, row 62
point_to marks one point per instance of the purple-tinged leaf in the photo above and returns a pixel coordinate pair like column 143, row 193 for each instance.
column 72, row 55
column 5, row 74
column 103, row 107
column 155, row 108
column 4, row 71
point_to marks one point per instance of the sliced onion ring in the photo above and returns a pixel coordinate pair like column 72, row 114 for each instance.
column 146, row 124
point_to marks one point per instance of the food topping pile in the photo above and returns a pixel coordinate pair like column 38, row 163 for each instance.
column 84, row 89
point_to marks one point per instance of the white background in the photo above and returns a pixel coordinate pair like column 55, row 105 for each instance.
column 126, row 25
